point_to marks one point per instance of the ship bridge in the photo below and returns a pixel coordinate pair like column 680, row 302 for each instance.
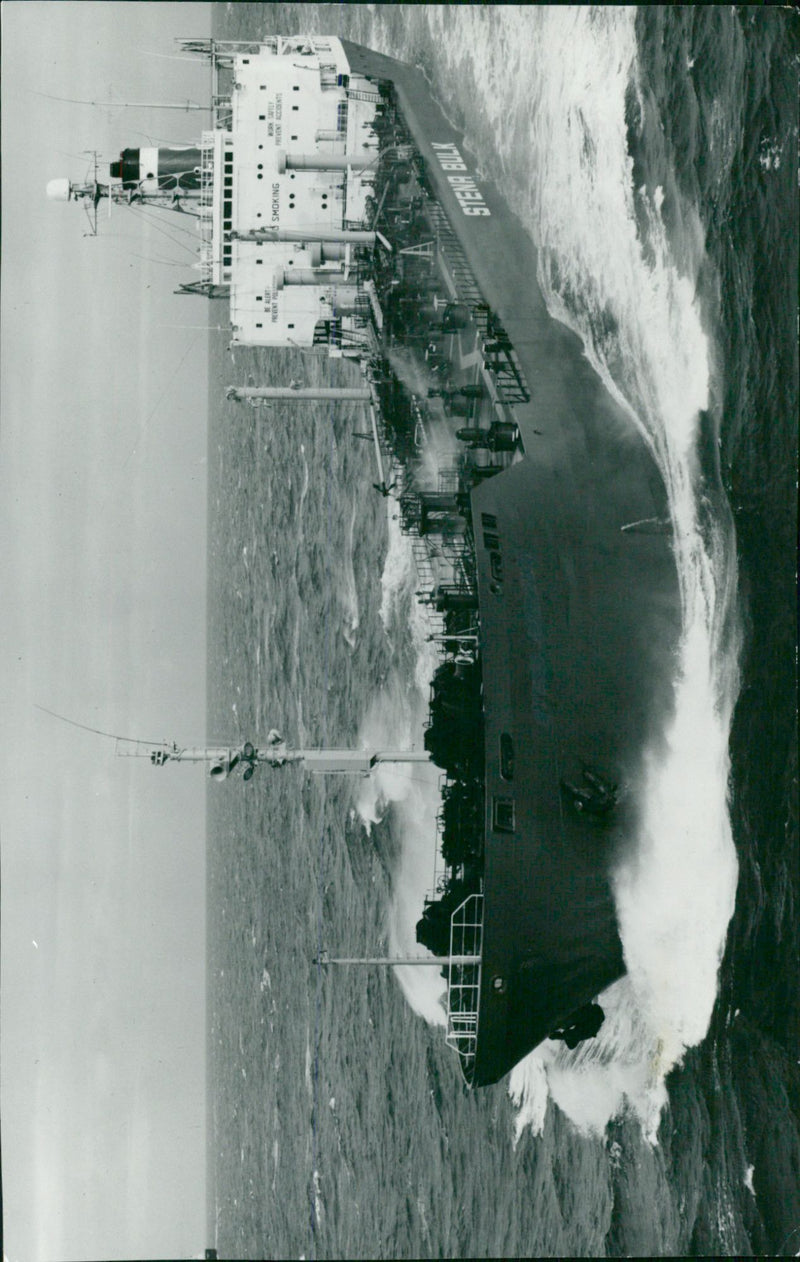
column 286, row 174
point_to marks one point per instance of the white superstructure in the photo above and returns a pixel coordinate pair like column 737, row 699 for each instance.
column 279, row 187
column 296, row 156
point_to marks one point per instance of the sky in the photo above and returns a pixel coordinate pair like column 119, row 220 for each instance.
column 102, row 619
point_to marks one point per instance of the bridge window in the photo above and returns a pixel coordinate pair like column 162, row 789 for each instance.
column 506, row 756
column 496, row 566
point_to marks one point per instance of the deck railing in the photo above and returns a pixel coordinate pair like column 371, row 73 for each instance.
column 464, row 982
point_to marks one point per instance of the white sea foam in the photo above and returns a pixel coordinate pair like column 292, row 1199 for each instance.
column 394, row 720
column 303, row 493
column 306, row 477
column 348, row 592
column 424, row 987
column 548, row 85
column 542, row 91
column 398, row 575
column 675, row 892
column 319, row 1204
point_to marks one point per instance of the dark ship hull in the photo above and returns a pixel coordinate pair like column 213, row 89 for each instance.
column 578, row 622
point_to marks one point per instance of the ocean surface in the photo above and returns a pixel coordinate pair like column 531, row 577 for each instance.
column 652, row 155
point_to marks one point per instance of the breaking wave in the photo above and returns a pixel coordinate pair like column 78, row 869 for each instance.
column 546, row 113
column 609, row 270
column 395, row 719
column 349, row 593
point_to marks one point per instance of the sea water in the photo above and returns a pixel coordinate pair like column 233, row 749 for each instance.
column 651, row 156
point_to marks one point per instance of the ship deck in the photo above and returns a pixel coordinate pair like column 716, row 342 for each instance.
column 579, row 620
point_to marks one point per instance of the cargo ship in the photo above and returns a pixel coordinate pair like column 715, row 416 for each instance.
column 337, row 208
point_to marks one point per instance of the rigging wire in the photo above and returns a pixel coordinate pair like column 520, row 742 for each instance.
column 163, row 394
column 164, row 232
column 151, row 208
column 139, row 105
column 79, row 157
column 154, row 140
column 197, row 61
column 178, row 209
column 135, row 740
column 162, row 262
column 129, row 236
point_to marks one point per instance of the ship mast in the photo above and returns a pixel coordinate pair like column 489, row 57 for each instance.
column 246, row 757
column 318, row 761
column 323, row 959
column 297, row 393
